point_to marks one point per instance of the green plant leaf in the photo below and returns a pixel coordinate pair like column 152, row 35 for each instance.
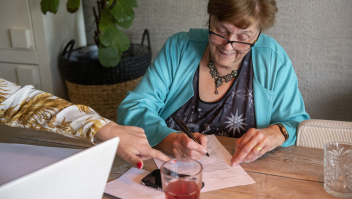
column 105, row 20
column 109, row 56
column 124, row 41
column 72, row 5
column 123, row 13
column 111, row 36
column 109, row 32
column 49, row 6
column 130, row 3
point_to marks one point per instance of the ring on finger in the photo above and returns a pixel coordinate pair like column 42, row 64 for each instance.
column 259, row 148
column 184, row 155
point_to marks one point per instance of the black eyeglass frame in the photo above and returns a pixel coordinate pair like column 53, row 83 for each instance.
column 231, row 42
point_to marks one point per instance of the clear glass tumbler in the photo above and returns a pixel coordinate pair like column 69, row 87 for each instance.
column 338, row 169
column 181, row 178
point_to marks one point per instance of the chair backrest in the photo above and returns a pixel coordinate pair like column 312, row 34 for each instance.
column 316, row 133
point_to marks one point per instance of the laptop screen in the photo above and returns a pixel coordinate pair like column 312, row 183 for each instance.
column 51, row 172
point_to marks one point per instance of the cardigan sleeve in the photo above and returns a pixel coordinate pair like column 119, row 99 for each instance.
column 143, row 105
column 27, row 107
column 288, row 106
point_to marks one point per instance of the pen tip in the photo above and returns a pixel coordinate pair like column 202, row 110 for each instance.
column 207, row 154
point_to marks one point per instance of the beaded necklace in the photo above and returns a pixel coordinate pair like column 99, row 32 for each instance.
column 220, row 79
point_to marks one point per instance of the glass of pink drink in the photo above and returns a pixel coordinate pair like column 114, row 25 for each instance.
column 182, row 178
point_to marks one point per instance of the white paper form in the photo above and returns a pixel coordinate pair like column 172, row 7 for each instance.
column 127, row 186
column 217, row 170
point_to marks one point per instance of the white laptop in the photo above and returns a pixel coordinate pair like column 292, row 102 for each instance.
column 58, row 173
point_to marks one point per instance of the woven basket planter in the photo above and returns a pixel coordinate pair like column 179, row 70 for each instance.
column 104, row 99
column 103, row 89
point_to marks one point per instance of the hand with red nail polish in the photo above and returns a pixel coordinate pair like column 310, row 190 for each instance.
column 139, row 165
column 133, row 146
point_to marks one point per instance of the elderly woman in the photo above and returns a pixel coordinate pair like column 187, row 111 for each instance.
column 230, row 80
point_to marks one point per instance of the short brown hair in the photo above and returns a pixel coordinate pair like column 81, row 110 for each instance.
column 244, row 13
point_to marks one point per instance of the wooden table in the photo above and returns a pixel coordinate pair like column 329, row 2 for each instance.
column 290, row 172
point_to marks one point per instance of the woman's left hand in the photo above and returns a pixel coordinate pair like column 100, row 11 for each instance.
column 255, row 142
column 134, row 146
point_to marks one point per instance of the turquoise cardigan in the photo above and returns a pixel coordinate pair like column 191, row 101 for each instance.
column 167, row 85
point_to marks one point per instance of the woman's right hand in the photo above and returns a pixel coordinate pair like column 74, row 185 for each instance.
column 180, row 145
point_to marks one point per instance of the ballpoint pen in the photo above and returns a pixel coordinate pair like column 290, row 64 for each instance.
column 185, row 129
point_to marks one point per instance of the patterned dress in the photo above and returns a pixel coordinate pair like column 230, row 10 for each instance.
column 231, row 116
column 27, row 107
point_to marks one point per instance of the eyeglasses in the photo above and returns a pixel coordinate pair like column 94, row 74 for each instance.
column 236, row 45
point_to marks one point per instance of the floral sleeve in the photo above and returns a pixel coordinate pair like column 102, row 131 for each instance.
column 27, row 107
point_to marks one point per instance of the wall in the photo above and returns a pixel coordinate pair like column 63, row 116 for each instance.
column 317, row 35
column 59, row 29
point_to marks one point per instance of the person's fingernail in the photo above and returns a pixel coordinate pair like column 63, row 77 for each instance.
column 139, row 165
column 234, row 164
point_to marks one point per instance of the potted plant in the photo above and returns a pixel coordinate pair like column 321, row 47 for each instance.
column 99, row 76
column 111, row 13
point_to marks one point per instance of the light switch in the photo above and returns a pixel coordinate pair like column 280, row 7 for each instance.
column 27, row 75
column 20, row 38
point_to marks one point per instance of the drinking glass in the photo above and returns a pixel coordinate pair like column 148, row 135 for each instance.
column 181, row 178
column 338, row 169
